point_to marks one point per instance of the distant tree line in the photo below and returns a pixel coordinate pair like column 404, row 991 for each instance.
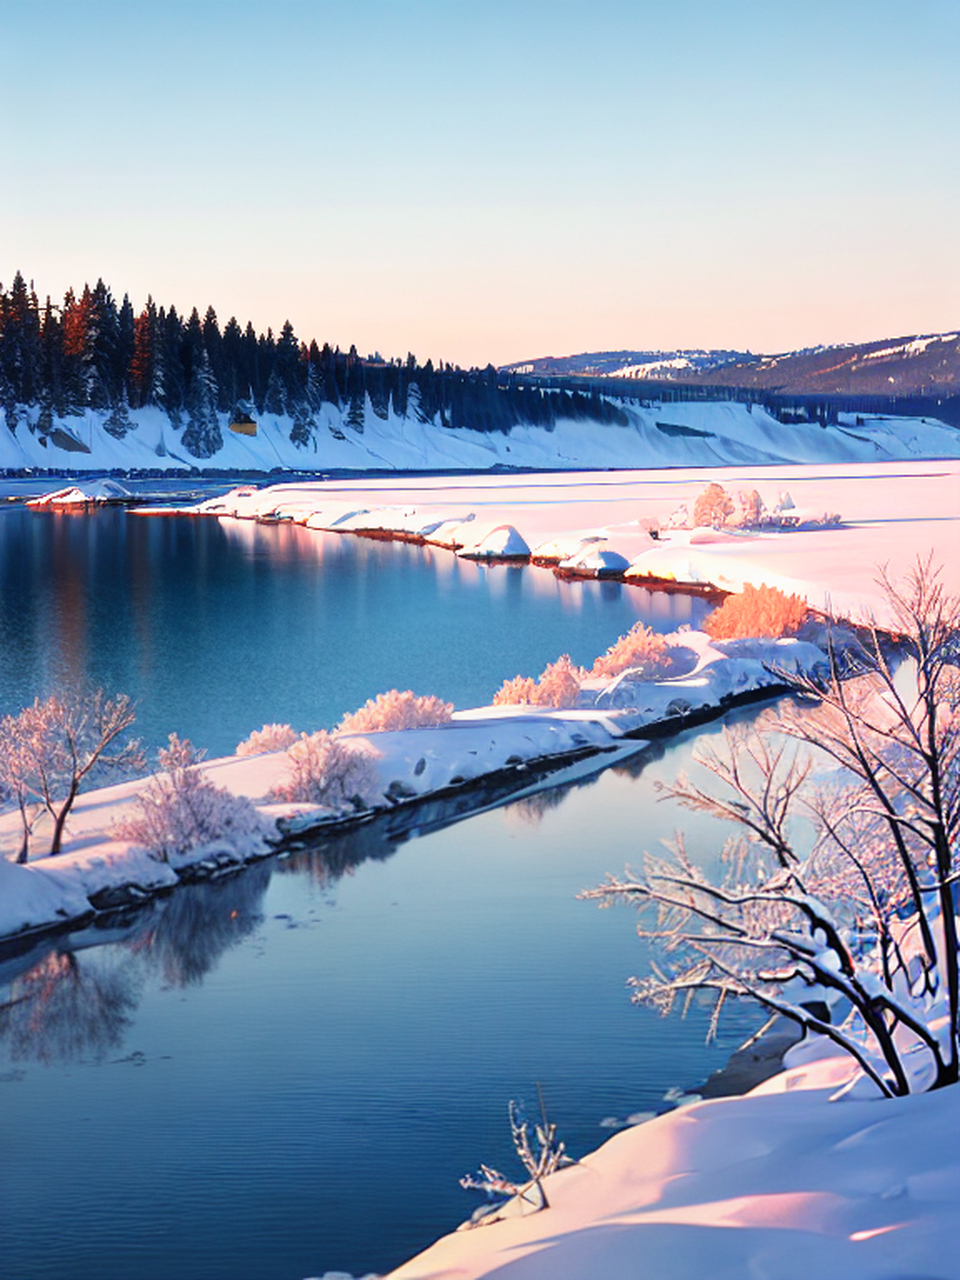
column 89, row 352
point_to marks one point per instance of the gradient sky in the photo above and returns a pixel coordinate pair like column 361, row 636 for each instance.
column 480, row 180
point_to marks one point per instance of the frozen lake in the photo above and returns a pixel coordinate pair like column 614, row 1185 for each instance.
column 287, row 1073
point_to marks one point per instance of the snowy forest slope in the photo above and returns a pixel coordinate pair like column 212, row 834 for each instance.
column 91, row 385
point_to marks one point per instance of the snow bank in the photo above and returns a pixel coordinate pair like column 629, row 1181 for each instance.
column 780, row 1183
column 502, row 542
column 891, row 514
column 96, row 870
column 82, row 493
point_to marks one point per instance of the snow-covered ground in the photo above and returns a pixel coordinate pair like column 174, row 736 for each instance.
column 781, row 1184
column 692, row 433
column 890, row 513
column 97, row 870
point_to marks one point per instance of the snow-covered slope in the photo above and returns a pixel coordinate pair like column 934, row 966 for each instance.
column 693, row 433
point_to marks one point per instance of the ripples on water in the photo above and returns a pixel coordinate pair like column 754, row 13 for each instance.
column 288, row 1071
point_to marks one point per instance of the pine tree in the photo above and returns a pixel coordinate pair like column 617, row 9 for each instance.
column 143, row 385
column 202, row 436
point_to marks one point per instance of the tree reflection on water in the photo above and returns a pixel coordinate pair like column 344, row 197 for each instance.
column 63, row 1010
column 202, row 921
column 75, row 1000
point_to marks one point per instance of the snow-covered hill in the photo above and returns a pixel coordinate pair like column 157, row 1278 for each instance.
column 694, row 433
column 915, row 365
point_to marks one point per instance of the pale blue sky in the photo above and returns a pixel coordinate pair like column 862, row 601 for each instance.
column 492, row 181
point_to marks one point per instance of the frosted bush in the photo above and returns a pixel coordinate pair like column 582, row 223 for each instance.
column 748, row 509
column 180, row 809
column 757, row 611
column 396, row 710
column 521, row 690
column 272, row 737
column 558, row 686
column 712, row 507
column 641, row 647
column 326, row 770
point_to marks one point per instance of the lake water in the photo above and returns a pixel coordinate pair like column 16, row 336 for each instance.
column 287, row 1072
column 216, row 628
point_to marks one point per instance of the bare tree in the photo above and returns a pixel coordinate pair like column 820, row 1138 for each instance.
column 326, row 769
column 16, row 771
column 865, row 906
column 550, row 1156
column 180, row 809
column 51, row 748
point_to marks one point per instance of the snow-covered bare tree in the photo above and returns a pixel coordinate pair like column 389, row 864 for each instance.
column 842, row 880
column 53, row 747
column 180, row 809
column 549, row 1156
column 325, row 769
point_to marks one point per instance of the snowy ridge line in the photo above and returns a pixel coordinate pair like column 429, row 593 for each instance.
column 481, row 758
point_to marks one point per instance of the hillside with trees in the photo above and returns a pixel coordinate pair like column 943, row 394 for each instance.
column 91, row 352
column 917, row 365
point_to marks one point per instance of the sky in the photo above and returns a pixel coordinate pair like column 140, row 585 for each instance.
column 493, row 180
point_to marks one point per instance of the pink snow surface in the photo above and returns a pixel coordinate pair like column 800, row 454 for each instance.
column 781, row 1184
column 891, row 513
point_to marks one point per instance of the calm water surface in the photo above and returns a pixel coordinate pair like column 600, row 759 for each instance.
column 287, row 1072
column 216, row 628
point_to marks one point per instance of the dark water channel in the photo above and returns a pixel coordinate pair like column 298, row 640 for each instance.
column 287, row 1072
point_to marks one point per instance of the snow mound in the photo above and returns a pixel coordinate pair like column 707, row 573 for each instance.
column 502, row 542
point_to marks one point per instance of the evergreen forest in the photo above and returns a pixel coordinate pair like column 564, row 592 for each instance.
column 91, row 352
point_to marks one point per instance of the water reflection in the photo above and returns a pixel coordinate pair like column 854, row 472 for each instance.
column 179, row 613
column 68, row 1010
column 200, row 922
column 75, row 1000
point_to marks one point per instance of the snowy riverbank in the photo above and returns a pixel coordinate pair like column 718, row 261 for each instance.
column 520, row 747
column 889, row 513
column 782, row 1183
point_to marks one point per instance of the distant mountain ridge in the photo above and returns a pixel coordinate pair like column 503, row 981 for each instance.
column 918, row 364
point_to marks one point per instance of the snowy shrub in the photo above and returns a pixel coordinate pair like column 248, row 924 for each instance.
column 559, row 683
column 868, row 916
column 757, row 611
column 180, row 809
column 748, row 509
column 712, row 507
column 272, row 737
column 550, row 1156
column 326, row 770
column 641, row 647
column 558, row 686
column 396, row 710
column 520, row 691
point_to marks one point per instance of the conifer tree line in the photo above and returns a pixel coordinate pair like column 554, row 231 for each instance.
column 89, row 352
